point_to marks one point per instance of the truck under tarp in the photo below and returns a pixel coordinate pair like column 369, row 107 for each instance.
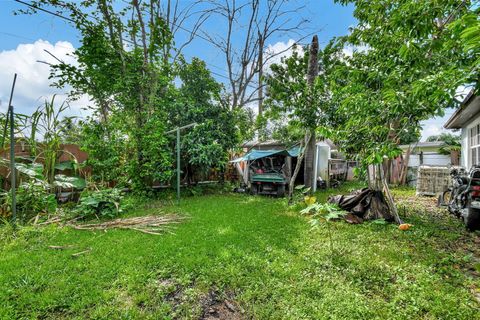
column 276, row 178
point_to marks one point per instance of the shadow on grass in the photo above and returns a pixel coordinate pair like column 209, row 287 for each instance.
column 228, row 241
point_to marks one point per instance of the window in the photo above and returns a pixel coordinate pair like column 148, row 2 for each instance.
column 474, row 140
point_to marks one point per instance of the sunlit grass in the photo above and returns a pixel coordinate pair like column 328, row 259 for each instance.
column 252, row 248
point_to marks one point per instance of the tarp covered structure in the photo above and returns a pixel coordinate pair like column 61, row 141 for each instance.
column 258, row 154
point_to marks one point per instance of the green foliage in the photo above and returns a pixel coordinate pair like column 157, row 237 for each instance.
column 444, row 137
column 405, row 68
column 206, row 145
column 327, row 212
column 33, row 198
column 104, row 203
column 135, row 98
column 65, row 182
column 129, row 86
column 34, row 172
column 293, row 102
column 35, row 195
column 450, row 142
column 49, row 121
column 468, row 27
column 106, row 147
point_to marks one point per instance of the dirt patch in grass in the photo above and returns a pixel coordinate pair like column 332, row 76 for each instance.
column 421, row 204
column 217, row 307
column 216, row 304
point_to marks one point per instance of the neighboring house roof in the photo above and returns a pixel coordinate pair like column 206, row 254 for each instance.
column 433, row 144
column 468, row 110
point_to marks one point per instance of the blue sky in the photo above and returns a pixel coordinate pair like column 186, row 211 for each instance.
column 20, row 48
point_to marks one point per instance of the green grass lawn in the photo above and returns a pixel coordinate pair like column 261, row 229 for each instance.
column 253, row 251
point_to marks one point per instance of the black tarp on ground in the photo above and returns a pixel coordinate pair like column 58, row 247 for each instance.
column 366, row 204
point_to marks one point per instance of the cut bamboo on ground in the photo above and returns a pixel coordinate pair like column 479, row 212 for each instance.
column 146, row 224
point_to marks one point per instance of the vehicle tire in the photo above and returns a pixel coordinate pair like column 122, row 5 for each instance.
column 254, row 189
column 281, row 190
column 445, row 198
column 472, row 219
column 447, row 201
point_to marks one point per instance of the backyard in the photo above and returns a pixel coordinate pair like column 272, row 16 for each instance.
column 243, row 257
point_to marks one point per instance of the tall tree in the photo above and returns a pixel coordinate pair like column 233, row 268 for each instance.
column 297, row 104
column 121, row 66
column 249, row 26
column 204, row 147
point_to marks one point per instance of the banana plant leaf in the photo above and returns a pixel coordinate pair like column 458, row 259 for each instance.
column 32, row 170
column 66, row 165
column 64, row 181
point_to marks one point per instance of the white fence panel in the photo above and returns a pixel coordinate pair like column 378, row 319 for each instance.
column 429, row 159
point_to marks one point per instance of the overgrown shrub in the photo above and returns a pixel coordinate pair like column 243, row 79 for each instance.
column 101, row 203
column 32, row 199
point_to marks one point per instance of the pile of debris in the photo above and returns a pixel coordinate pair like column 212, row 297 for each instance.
column 364, row 204
column 146, row 224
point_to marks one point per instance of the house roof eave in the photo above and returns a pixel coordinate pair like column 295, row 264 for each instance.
column 469, row 107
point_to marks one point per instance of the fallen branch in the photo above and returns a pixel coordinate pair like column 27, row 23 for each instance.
column 81, row 252
column 50, row 221
column 61, row 247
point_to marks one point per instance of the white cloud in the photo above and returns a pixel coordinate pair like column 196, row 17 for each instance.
column 349, row 50
column 33, row 86
column 434, row 126
column 431, row 130
column 275, row 52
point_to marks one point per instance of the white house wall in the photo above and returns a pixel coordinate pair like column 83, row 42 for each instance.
column 464, row 154
column 466, row 160
column 429, row 159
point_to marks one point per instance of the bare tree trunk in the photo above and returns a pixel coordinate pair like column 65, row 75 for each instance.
column 389, row 199
column 248, row 26
column 291, row 184
column 455, row 157
column 383, row 205
column 309, row 168
column 312, row 73
column 260, row 74
column 404, row 173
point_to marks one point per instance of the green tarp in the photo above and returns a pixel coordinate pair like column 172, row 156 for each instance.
column 258, row 154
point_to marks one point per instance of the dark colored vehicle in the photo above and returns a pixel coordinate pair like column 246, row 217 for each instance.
column 267, row 176
column 463, row 198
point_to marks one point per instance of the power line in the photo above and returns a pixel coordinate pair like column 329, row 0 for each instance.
column 31, row 39
column 45, row 10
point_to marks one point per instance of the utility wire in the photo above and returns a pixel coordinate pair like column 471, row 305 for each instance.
column 31, row 39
